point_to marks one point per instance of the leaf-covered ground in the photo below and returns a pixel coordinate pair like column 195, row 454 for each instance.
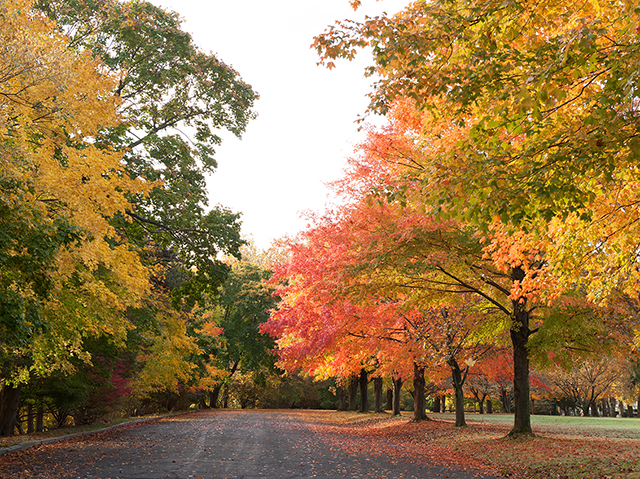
column 562, row 448
column 228, row 444
column 329, row 444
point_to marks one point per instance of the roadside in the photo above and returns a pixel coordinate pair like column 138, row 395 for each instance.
column 24, row 441
column 231, row 444
column 564, row 447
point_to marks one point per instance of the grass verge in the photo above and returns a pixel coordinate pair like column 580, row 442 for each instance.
column 64, row 431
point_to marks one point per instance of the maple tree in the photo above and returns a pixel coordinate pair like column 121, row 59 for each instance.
column 228, row 329
column 531, row 136
column 61, row 189
column 168, row 87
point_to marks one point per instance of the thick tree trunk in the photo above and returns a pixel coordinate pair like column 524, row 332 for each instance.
column 30, row 417
column 489, row 406
column 419, row 403
column 519, row 339
column 9, row 402
column 214, row 395
column 40, row 419
column 397, row 388
column 342, row 399
column 436, row 404
column 389, row 399
column 612, row 407
column 364, row 388
column 225, row 397
column 629, row 410
column 458, row 378
column 353, row 393
column 377, row 395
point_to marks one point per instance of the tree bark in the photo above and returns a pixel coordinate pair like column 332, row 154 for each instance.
column 213, row 397
column 489, row 406
column 377, row 395
column 342, row 399
column 9, row 402
column 397, row 387
column 364, row 388
column 30, row 426
column 481, row 402
column 458, row 378
column 419, row 383
column 225, row 397
column 389, row 399
column 353, row 393
column 40, row 419
column 519, row 338
column 436, row 404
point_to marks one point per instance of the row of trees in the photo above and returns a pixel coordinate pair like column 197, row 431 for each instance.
column 112, row 287
column 498, row 208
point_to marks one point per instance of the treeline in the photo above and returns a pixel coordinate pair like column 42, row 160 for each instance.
column 114, row 297
column 494, row 219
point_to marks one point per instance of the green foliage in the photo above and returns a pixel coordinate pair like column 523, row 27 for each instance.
column 167, row 87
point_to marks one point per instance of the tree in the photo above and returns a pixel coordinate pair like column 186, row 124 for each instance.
column 167, row 87
column 61, row 190
column 531, row 135
column 584, row 385
column 242, row 306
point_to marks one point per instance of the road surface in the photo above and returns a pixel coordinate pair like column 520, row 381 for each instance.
column 216, row 444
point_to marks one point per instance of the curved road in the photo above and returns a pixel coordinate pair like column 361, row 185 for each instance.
column 213, row 444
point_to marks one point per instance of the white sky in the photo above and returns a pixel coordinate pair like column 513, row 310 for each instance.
column 305, row 129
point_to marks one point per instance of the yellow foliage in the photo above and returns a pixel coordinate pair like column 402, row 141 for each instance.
column 166, row 364
column 53, row 103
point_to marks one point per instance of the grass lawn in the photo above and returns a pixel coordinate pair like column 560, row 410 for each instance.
column 563, row 447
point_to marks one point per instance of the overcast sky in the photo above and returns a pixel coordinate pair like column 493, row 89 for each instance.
column 305, row 129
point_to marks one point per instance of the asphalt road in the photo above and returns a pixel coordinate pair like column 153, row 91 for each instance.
column 215, row 444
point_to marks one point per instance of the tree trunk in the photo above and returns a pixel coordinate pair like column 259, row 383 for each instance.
column 419, row 402
column 481, row 398
column 489, row 406
column 377, row 395
column 225, row 397
column 214, row 395
column 40, row 419
column 353, row 393
column 612, row 407
column 9, row 402
column 30, row 428
column 458, row 378
column 389, row 399
column 629, row 410
column 436, row 404
column 342, row 399
column 397, row 387
column 364, row 388
column 519, row 339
